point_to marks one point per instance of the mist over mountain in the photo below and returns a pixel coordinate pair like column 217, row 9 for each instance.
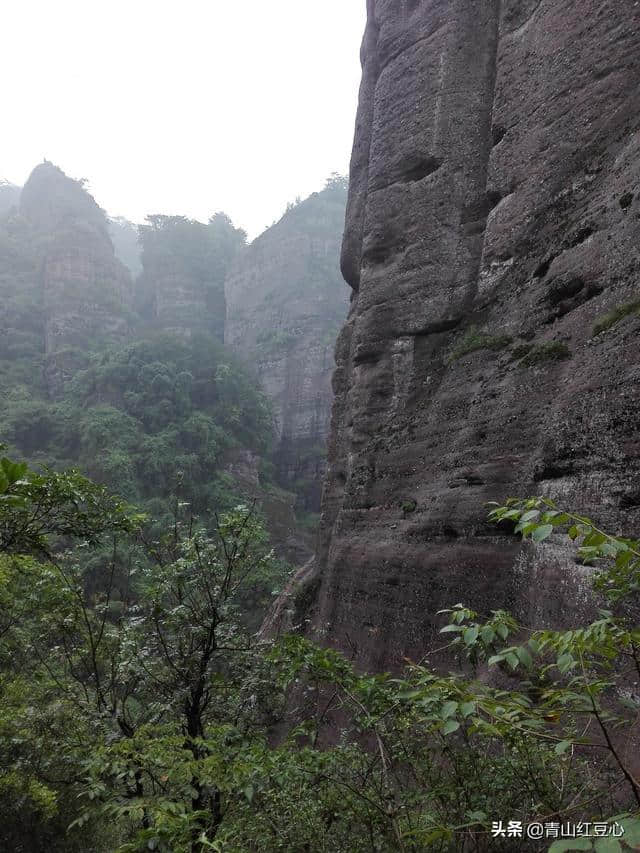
column 114, row 355
column 328, row 541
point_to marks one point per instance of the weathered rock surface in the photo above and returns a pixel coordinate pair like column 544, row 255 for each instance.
column 495, row 195
column 86, row 290
column 185, row 263
column 285, row 303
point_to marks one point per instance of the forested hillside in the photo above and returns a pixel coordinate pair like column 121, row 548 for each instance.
column 112, row 355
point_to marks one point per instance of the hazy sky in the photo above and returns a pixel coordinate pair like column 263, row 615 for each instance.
column 182, row 106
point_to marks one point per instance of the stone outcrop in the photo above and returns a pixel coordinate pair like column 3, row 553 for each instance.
column 86, row 290
column 493, row 221
column 285, row 303
column 185, row 263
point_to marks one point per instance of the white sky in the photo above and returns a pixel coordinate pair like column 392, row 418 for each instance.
column 182, row 106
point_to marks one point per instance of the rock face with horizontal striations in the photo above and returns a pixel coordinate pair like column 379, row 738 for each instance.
column 285, row 304
column 86, row 291
column 492, row 349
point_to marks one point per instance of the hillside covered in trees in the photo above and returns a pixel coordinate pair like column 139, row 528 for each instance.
column 113, row 356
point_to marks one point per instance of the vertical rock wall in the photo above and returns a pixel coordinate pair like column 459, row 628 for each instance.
column 86, row 291
column 285, row 303
column 185, row 263
column 493, row 219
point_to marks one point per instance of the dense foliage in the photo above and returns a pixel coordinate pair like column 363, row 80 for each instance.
column 150, row 418
column 146, row 418
column 138, row 714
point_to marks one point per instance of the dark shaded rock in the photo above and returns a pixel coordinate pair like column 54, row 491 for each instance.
column 516, row 125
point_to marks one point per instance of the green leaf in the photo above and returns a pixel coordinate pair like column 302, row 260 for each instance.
column 249, row 793
column 450, row 726
column 565, row 661
column 631, row 826
column 467, row 708
column 541, row 533
column 512, row 660
column 471, row 635
column 410, row 694
column 562, row 747
column 449, row 709
column 529, row 516
column 524, row 656
column 488, row 634
column 607, row 845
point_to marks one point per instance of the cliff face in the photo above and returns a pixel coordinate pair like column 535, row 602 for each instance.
column 184, row 267
column 86, row 290
column 493, row 219
column 285, row 303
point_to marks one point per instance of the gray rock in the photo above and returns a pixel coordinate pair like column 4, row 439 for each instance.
column 285, row 304
column 495, row 197
column 87, row 291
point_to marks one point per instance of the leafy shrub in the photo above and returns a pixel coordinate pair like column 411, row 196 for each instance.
column 141, row 712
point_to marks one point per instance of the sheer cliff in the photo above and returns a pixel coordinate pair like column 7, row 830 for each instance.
column 184, row 265
column 86, row 291
column 131, row 383
column 285, row 304
column 492, row 246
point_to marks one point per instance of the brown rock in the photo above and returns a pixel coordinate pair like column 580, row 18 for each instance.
column 495, row 197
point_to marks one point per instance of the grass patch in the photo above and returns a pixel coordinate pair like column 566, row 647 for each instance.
column 474, row 340
column 541, row 353
column 608, row 321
